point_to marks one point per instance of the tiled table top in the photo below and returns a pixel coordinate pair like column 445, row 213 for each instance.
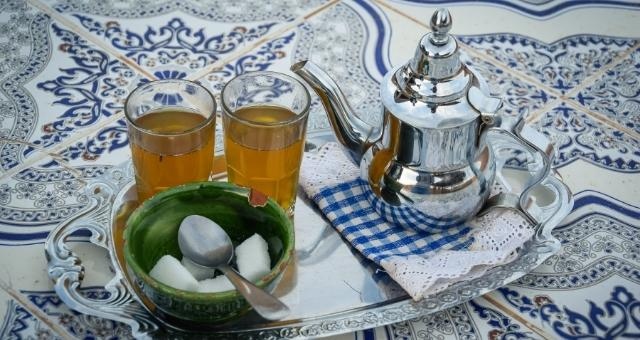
column 572, row 67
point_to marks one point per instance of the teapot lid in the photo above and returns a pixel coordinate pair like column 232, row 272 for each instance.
column 435, row 89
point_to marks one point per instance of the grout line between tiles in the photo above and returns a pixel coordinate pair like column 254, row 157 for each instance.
column 401, row 13
column 54, row 151
column 90, row 37
column 536, row 115
column 603, row 119
column 286, row 27
column 35, row 311
column 590, row 80
column 505, row 309
column 504, row 67
column 87, row 132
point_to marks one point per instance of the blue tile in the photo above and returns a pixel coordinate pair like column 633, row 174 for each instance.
column 25, row 53
column 519, row 97
column 577, row 135
column 179, row 38
column 617, row 93
column 561, row 65
column 589, row 288
column 58, row 85
column 19, row 322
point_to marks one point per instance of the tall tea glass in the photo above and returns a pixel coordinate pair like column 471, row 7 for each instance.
column 171, row 133
column 265, row 120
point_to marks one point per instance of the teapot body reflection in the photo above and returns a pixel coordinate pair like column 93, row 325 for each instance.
column 431, row 153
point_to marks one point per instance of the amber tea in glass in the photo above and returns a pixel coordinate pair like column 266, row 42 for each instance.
column 264, row 120
column 171, row 133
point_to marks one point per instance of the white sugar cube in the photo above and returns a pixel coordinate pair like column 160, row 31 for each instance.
column 218, row 284
column 169, row 271
column 198, row 272
column 252, row 258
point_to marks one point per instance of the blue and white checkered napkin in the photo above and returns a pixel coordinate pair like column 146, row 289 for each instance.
column 400, row 242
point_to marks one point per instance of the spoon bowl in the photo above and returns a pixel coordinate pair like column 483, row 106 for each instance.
column 206, row 244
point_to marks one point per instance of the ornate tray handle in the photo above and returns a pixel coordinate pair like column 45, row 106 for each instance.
column 67, row 270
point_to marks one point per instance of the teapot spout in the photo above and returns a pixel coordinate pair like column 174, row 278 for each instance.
column 355, row 135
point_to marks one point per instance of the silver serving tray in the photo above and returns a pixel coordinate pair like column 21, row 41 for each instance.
column 330, row 288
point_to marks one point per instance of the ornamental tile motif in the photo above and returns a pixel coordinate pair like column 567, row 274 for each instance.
column 94, row 88
column 600, row 240
column 20, row 60
column 174, row 47
column 35, row 200
column 617, row 317
column 518, row 96
column 502, row 326
column 455, row 322
column 617, row 93
column 577, row 136
column 19, row 323
column 561, row 65
column 335, row 41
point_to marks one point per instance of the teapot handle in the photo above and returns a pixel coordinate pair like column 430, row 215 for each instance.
column 514, row 134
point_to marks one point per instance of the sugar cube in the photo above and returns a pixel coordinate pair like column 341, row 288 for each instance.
column 252, row 258
column 170, row 271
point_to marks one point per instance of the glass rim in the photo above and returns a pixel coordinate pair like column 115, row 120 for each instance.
column 298, row 117
column 196, row 128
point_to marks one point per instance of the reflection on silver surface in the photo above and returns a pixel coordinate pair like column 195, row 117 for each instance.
column 433, row 154
column 329, row 286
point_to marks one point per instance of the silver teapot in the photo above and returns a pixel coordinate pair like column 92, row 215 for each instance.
column 434, row 152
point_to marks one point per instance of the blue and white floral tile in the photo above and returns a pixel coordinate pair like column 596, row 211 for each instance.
column 616, row 94
column 63, row 87
column 590, row 288
column 35, row 200
column 579, row 136
column 180, row 38
column 493, row 322
column 476, row 319
column 20, row 59
column 18, row 322
column 519, row 96
column 562, row 65
column 108, row 146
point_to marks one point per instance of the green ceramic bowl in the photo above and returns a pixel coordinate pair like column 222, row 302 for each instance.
column 152, row 231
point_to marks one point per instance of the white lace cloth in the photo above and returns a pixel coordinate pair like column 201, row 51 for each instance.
column 496, row 236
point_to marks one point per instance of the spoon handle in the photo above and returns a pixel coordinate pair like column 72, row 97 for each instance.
column 265, row 304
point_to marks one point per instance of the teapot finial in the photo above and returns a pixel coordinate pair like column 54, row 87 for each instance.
column 440, row 25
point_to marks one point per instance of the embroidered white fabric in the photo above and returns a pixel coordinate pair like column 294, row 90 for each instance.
column 497, row 235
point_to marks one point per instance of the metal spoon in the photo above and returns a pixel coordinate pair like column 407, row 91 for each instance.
column 205, row 243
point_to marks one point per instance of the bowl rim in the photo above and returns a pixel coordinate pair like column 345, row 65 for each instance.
column 189, row 296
